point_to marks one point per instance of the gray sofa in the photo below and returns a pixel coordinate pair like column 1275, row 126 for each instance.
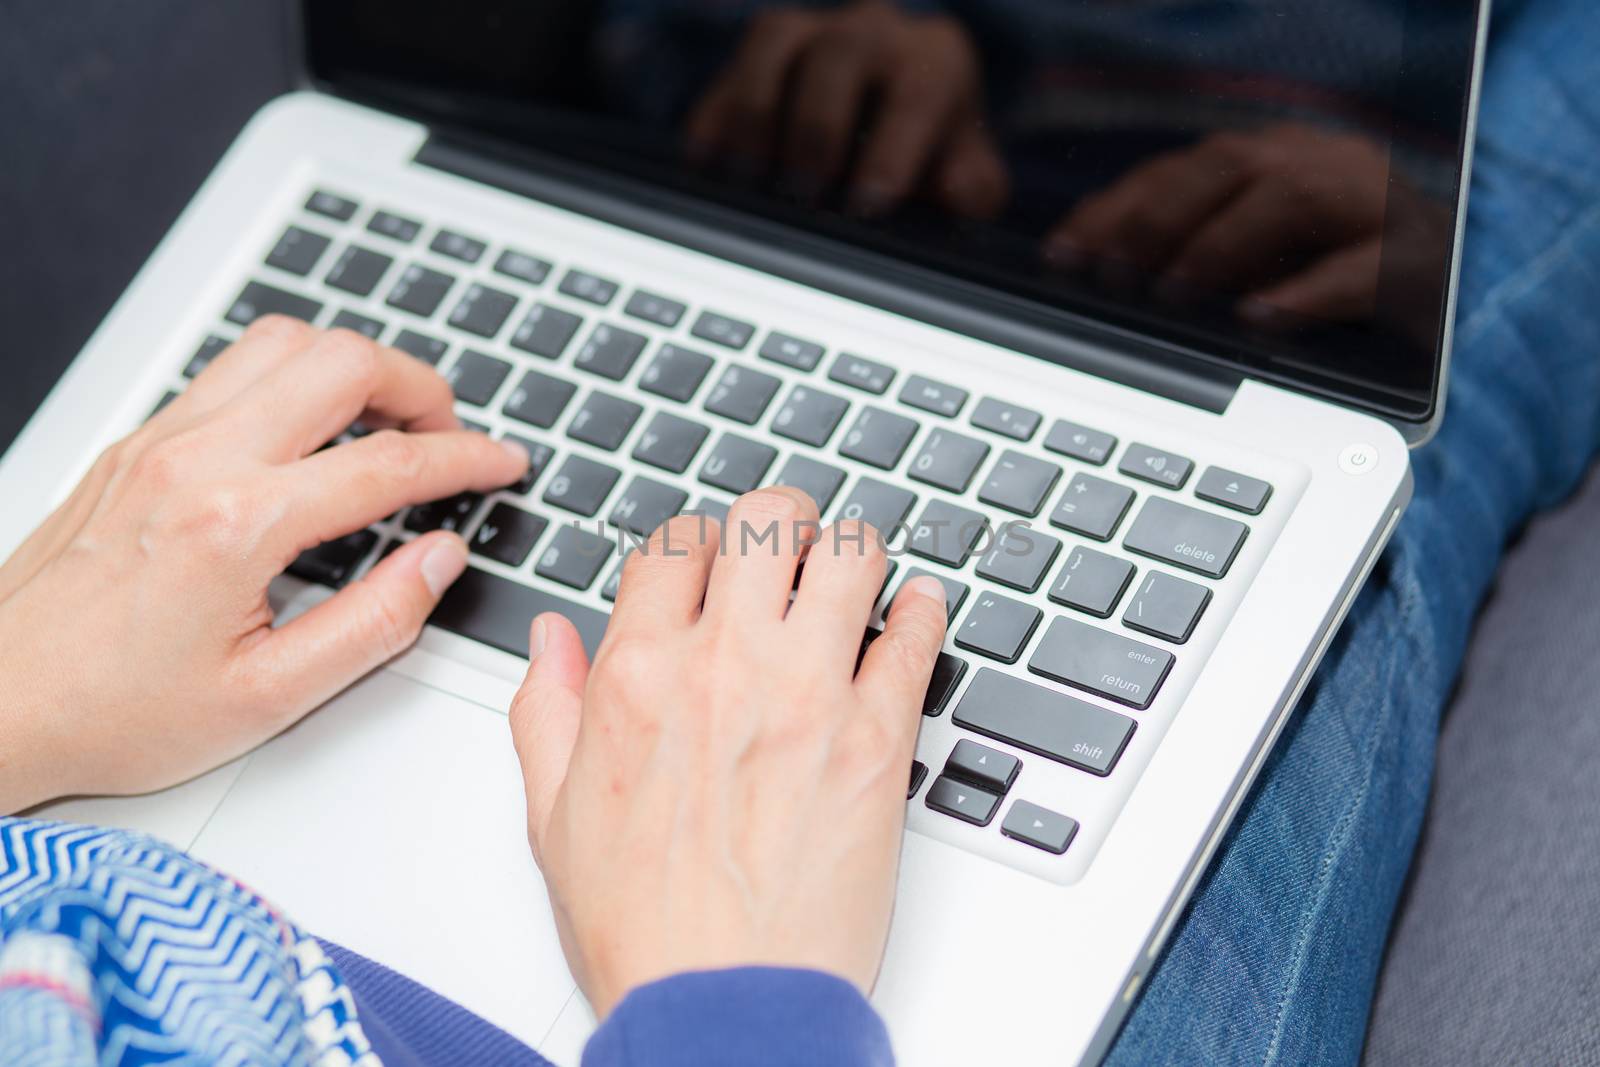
column 114, row 113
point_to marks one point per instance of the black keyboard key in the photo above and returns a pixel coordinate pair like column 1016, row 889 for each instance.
column 1036, row 719
column 475, row 377
column 742, row 394
column 791, row 351
column 546, row 331
column 366, row 326
column 450, row 513
column 919, row 774
column 653, row 308
column 482, row 310
column 955, row 593
column 358, row 270
column 966, row 802
column 861, row 373
column 1017, row 423
column 610, row 352
column 1092, row 582
column 604, row 421
column 507, row 534
column 1039, row 827
column 882, row 506
column 1019, row 483
column 420, row 290
column 1166, row 607
column 1155, row 466
column 878, row 437
column 523, row 267
column 613, row 582
column 1098, row 661
column 949, row 460
column 1080, row 442
column 397, row 227
column 1019, row 557
column 809, row 416
column 737, row 464
column 998, row 627
column 1233, row 490
column 722, row 330
column 581, row 485
column 675, row 373
column 925, row 394
column 539, row 399
column 985, row 767
column 297, row 251
column 1186, row 537
column 590, row 287
column 646, row 504
column 334, row 563
column 428, row 349
column 670, row 442
column 1092, row 507
column 575, row 557
column 323, row 202
column 499, row 612
column 256, row 300
column 947, row 533
column 817, row 480
column 539, row 456
column 457, row 246
column 209, row 350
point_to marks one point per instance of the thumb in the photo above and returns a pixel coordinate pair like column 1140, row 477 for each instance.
column 361, row 627
column 545, row 715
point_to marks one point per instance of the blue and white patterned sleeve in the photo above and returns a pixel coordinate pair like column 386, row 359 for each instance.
column 117, row 948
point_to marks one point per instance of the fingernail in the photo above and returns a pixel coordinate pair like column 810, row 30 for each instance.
column 516, row 452
column 928, row 586
column 443, row 564
column 537, row 638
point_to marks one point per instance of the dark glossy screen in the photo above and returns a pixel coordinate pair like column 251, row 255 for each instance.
column 1269, row 183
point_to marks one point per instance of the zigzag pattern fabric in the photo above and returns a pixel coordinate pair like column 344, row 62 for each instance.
column 118, row 949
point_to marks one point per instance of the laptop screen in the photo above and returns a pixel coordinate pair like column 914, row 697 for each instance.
column 1271, row 185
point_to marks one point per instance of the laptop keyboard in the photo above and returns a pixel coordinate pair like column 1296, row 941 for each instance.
column 636, row 405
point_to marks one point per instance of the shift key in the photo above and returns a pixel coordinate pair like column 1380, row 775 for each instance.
column 1052, row 724
column 1101, row 662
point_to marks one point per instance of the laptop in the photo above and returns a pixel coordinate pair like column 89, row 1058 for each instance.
column 1120, row 318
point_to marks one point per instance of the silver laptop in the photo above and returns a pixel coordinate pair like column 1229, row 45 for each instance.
column 1128, row 348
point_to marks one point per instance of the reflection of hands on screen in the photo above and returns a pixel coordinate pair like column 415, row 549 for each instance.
column 884, row 102
column 1284, row 219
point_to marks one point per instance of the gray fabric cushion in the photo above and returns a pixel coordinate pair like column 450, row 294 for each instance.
column 113, row 115
column 1495, row 954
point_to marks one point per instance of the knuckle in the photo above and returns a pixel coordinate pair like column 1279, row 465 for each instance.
column 626, row 656
column 777, row 502
column 161, row 467
column 358, row 354
column 397, row 454
column 909, row 648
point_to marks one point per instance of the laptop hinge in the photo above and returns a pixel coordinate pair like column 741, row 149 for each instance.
column 838, row 268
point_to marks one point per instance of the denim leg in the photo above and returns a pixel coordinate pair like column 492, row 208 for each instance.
column 1276, row 958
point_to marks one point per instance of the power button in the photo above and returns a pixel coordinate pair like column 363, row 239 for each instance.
column 1358, row 458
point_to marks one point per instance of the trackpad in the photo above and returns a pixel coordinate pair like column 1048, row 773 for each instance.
column 392, row 822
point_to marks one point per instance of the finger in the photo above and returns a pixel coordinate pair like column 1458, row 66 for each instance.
column 894, row 673
column 664, row 582
column 266, row 344
column 1247, row 241
column 306, row 401
column 545, row 716
column 762, row 541
column 364, row 625
column 344, row 488
column 743, row 122
column 830, row 88
column 843, row 576
column 914, row 123
column 1341, row 287
column 1147, row 215
column 972, row 179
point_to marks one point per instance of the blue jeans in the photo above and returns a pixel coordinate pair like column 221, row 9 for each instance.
column 1276, row 959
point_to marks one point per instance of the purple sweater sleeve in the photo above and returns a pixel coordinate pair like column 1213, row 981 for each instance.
column 774, row 1016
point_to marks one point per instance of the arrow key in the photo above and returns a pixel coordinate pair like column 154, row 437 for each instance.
column 1039, row 827
column 507, row 534
column 982, row 766
column 965, row 802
